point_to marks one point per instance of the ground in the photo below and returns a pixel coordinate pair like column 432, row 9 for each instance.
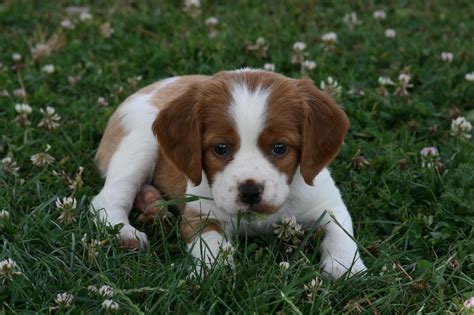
column 412, row 211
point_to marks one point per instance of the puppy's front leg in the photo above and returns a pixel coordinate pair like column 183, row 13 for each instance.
column 339, row 251
column 128, row 170
column 205, row 239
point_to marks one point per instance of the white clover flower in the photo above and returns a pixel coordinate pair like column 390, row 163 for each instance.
column 43, row 158
column 226, row 255
column 68, row 205
column 299, row 46
column 314, row 284
column 90, row 246
column 429, row 156
column 284, row 265
column 330, row 37
column 48, row 69
column 93, row 289
column 307, row 66
column 385, row 81
column 192, row 3
column 298, row 52
column 331, row 87
column 329, row 41
column 8, row 269
column 469, row 76
column 447, row 56
column 9, row 166
column 64, row 300
column 40, row 49
column 259, row 48
column 385, row 269
column 461, row 127
column 390, row 33
column 50, row 119
column 429, row 151
column 75, row 10
column 102, row 101
column 351, row 20
column 469, row 303
column 16, row 57
column 19, row 92
column 192, row 7
column 133, row 81
column 85, row 16
column 110, row 305
column 211, row 24
column 289, row 232
column 67, row 24
column 106, row 30
column 212, row 21
column 379, row 15
column 106, row 291
column 404, row 82
column 405, row 78
column 4, row 216
column 23, row 111
column 77, row 182
column 73, row 79
column 269, row 67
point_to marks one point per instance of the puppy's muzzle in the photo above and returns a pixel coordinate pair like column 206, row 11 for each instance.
column 250, row 192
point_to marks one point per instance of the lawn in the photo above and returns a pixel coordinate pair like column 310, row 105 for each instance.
column 402, row 70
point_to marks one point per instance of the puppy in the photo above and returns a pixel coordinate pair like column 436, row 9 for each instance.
column 249, row 141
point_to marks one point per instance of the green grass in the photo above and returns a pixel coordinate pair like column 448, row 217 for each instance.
column 417, row 218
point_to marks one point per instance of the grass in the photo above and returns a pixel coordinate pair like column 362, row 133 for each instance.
column 417, row 222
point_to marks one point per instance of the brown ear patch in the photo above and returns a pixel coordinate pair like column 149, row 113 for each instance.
column 324, row 129
column 179, row 136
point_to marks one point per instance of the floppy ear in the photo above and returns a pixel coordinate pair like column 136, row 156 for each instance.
column 323, row 130
column 179, row 136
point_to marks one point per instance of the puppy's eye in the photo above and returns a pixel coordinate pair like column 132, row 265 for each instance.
column 279, row 149
column 221, row 149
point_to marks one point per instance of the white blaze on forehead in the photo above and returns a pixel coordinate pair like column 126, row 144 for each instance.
column 248, row 110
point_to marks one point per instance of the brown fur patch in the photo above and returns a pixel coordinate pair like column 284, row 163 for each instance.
column 324, row 130
column 163, row 97
column 298, row 114
column 216, row 125
column 170, row 181
column 192, row 123
column 113, row 135
column 192, row 225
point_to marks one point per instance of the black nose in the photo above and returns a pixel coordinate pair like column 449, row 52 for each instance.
column 250, row 192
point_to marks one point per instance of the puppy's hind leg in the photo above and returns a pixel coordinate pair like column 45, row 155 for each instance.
column 129, row 168
column 146, row 203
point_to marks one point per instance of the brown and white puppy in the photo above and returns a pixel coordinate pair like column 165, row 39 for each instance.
column 250, row 141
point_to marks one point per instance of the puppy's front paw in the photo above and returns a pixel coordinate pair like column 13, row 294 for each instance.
column 131, row 238
column 337, row 267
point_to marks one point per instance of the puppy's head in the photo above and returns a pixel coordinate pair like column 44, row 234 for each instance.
column 248, row 131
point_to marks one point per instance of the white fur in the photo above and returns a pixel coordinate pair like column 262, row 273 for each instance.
column 248, row 111
column 131, row 165
column 134, row 160
column 205, row 249
column 307, row 204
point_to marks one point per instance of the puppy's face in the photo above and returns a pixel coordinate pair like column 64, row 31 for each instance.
column 249, row 131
